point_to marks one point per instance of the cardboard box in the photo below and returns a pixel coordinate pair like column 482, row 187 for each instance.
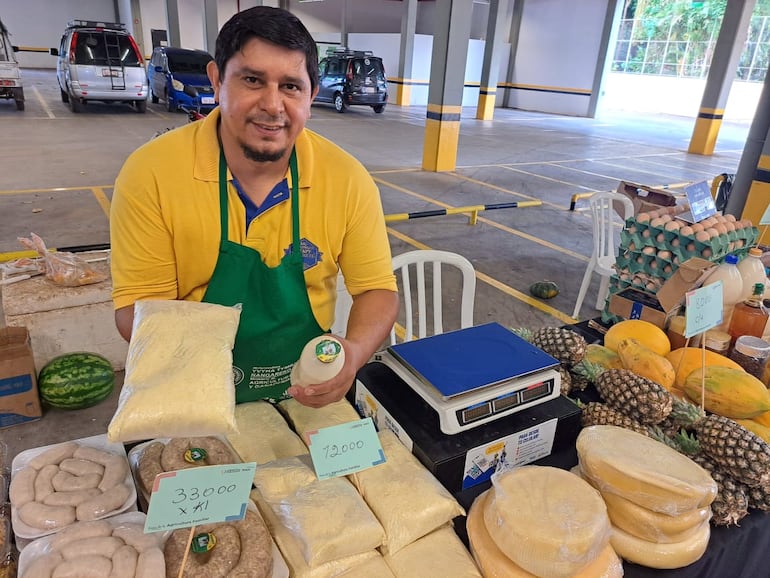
column 658, row 308
column 646, row 198
column 19, row 400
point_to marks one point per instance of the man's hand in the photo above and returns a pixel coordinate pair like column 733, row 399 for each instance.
column 333, row 390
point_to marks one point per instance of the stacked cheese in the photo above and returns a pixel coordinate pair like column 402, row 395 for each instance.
column 541, row 522
column 657, row 499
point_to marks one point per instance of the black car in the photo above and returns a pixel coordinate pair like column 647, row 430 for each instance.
column 351, row 77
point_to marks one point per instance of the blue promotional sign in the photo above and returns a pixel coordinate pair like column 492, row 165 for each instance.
column 701, row 202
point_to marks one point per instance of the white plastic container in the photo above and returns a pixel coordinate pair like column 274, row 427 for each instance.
column 752, row 271
column 732, row 287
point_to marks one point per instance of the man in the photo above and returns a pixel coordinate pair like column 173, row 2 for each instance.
column 249, row 207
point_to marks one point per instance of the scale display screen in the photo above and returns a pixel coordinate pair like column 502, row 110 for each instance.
column 504, row 402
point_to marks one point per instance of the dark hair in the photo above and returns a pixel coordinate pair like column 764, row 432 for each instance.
column 274, row 25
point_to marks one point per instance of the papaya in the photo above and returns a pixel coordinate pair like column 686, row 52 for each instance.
column 603, row 356
column 645, row 362
column 687, row 359
column 644, row 332
column 757, row 428
column 762, row 419
column 728, row 392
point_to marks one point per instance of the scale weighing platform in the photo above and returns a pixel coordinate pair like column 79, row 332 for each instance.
column 472, row 376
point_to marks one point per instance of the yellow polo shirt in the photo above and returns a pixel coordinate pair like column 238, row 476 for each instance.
column 165, row 232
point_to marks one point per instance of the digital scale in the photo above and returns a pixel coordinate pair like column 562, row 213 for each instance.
column 474, row 375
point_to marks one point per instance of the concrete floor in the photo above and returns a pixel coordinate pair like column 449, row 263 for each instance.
column 57, row 170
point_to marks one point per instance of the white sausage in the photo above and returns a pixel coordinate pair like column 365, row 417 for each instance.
column 70, row 498
column 43, row 484
column 22, row 488
column 78, row 467
column 84, row 567
column 109, row 501
column 151, row 564
column 54, row 455
column 45, row 517
column 124, row 562
column 115, row 472
column 93, row 454
column 66, row 482
column 99, row 546
column 133, row 535
column 43, row 566
column 80, row 531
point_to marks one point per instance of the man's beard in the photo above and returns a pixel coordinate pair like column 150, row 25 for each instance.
column 262, row 157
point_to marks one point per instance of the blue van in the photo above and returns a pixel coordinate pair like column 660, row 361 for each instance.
column 171, row 69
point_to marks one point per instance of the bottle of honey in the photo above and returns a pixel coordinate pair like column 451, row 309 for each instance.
column 750, row 316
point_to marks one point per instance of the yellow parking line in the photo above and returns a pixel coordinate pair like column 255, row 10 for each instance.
column 42, row 102
column 102, row 199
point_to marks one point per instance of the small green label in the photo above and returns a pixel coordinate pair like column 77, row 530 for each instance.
column 327, row 350
column 204, row 542
column 194, row 455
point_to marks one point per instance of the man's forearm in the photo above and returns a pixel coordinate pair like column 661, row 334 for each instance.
column 371, row 318
column 124, row 321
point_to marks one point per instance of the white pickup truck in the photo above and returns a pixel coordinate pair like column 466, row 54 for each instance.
column 10, row 79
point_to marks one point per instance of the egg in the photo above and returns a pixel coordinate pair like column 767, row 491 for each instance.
column 712, row 233
column 706, row 253
column 702, row 236
column 673, row 225
column 690, row 247
column 730, row 218
column 649, row 251
column 674, row 242
column 643, row 218
column 660, row 238
column 664, row 255
column 730, row 226
column 698, row 227
column 657, row 222
column 721, row 228
column 686, row 231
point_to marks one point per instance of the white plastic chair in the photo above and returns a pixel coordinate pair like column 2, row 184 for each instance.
column 415, row 260
column 606, row 241
column 341, row 307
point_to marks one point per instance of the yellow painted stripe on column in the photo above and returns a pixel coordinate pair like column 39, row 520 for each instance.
column 440, row 149
column 704, row 136
column 486, row 108
column 403, row 95
column 756, row 203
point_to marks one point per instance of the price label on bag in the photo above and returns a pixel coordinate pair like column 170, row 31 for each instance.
column 704, row 309
column 346, row 448
column 203, row 495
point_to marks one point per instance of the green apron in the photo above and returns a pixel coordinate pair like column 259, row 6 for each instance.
column 276, row 317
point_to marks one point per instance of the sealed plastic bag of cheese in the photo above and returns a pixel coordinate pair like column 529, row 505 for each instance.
column 407, row 499
column 560, row 528
column 440, row 553
column 263, row 434
column 304, row 418
column 179, row 372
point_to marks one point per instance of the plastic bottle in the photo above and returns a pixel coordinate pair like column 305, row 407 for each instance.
column 752, row 271
column 732, row 287
column 749, row 316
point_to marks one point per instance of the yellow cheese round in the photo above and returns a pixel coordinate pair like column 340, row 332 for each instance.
column 546, row 520
column 661, row 556
column 653, row 526
column 495, row 564
column 644, row 471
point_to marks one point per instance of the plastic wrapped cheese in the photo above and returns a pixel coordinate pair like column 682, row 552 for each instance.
column 279, row 479
column 661, row 556
column 304, row 418
column 263, row 434
column 291, row 549
column 440, row 553
column 179, row 372
column 643, row 471
column 494, row 564
column 407, row 499
column 654, row 526
column 547, row 520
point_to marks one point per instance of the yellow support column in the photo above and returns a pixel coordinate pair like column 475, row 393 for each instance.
column 704, row 136
column 442, row 135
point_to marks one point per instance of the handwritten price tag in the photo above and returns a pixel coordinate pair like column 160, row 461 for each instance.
column 197, row 496
column 704, row 309
column 346, row 448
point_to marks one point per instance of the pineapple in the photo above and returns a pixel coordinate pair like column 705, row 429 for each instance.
column 595, row 413
column 737, row 451
column 639, row 398
column 579, row 382
column 563, row 344
column 732, row 501
column 759, row 498
column 566, row 380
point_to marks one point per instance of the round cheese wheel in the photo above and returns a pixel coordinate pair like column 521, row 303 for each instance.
column 653, row 526
column 494, row 564
column 321, row 359
column 644, row 471
column 546, row 520
column 661, row 556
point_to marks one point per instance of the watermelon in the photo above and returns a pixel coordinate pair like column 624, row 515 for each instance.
column 76, row 380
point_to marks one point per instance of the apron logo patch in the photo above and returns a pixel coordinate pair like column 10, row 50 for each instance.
column 311, row 256
column 237, row 375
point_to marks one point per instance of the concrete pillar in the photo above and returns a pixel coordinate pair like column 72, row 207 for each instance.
column 490, row 69
column 727, row 53
column 406, row 56
column 172, row 20
column 513, row 37
column 750, row 193
column 210, row 25
column 603, row 61
column 447, row 80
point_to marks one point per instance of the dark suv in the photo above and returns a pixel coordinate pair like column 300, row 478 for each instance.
column 348, row 77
